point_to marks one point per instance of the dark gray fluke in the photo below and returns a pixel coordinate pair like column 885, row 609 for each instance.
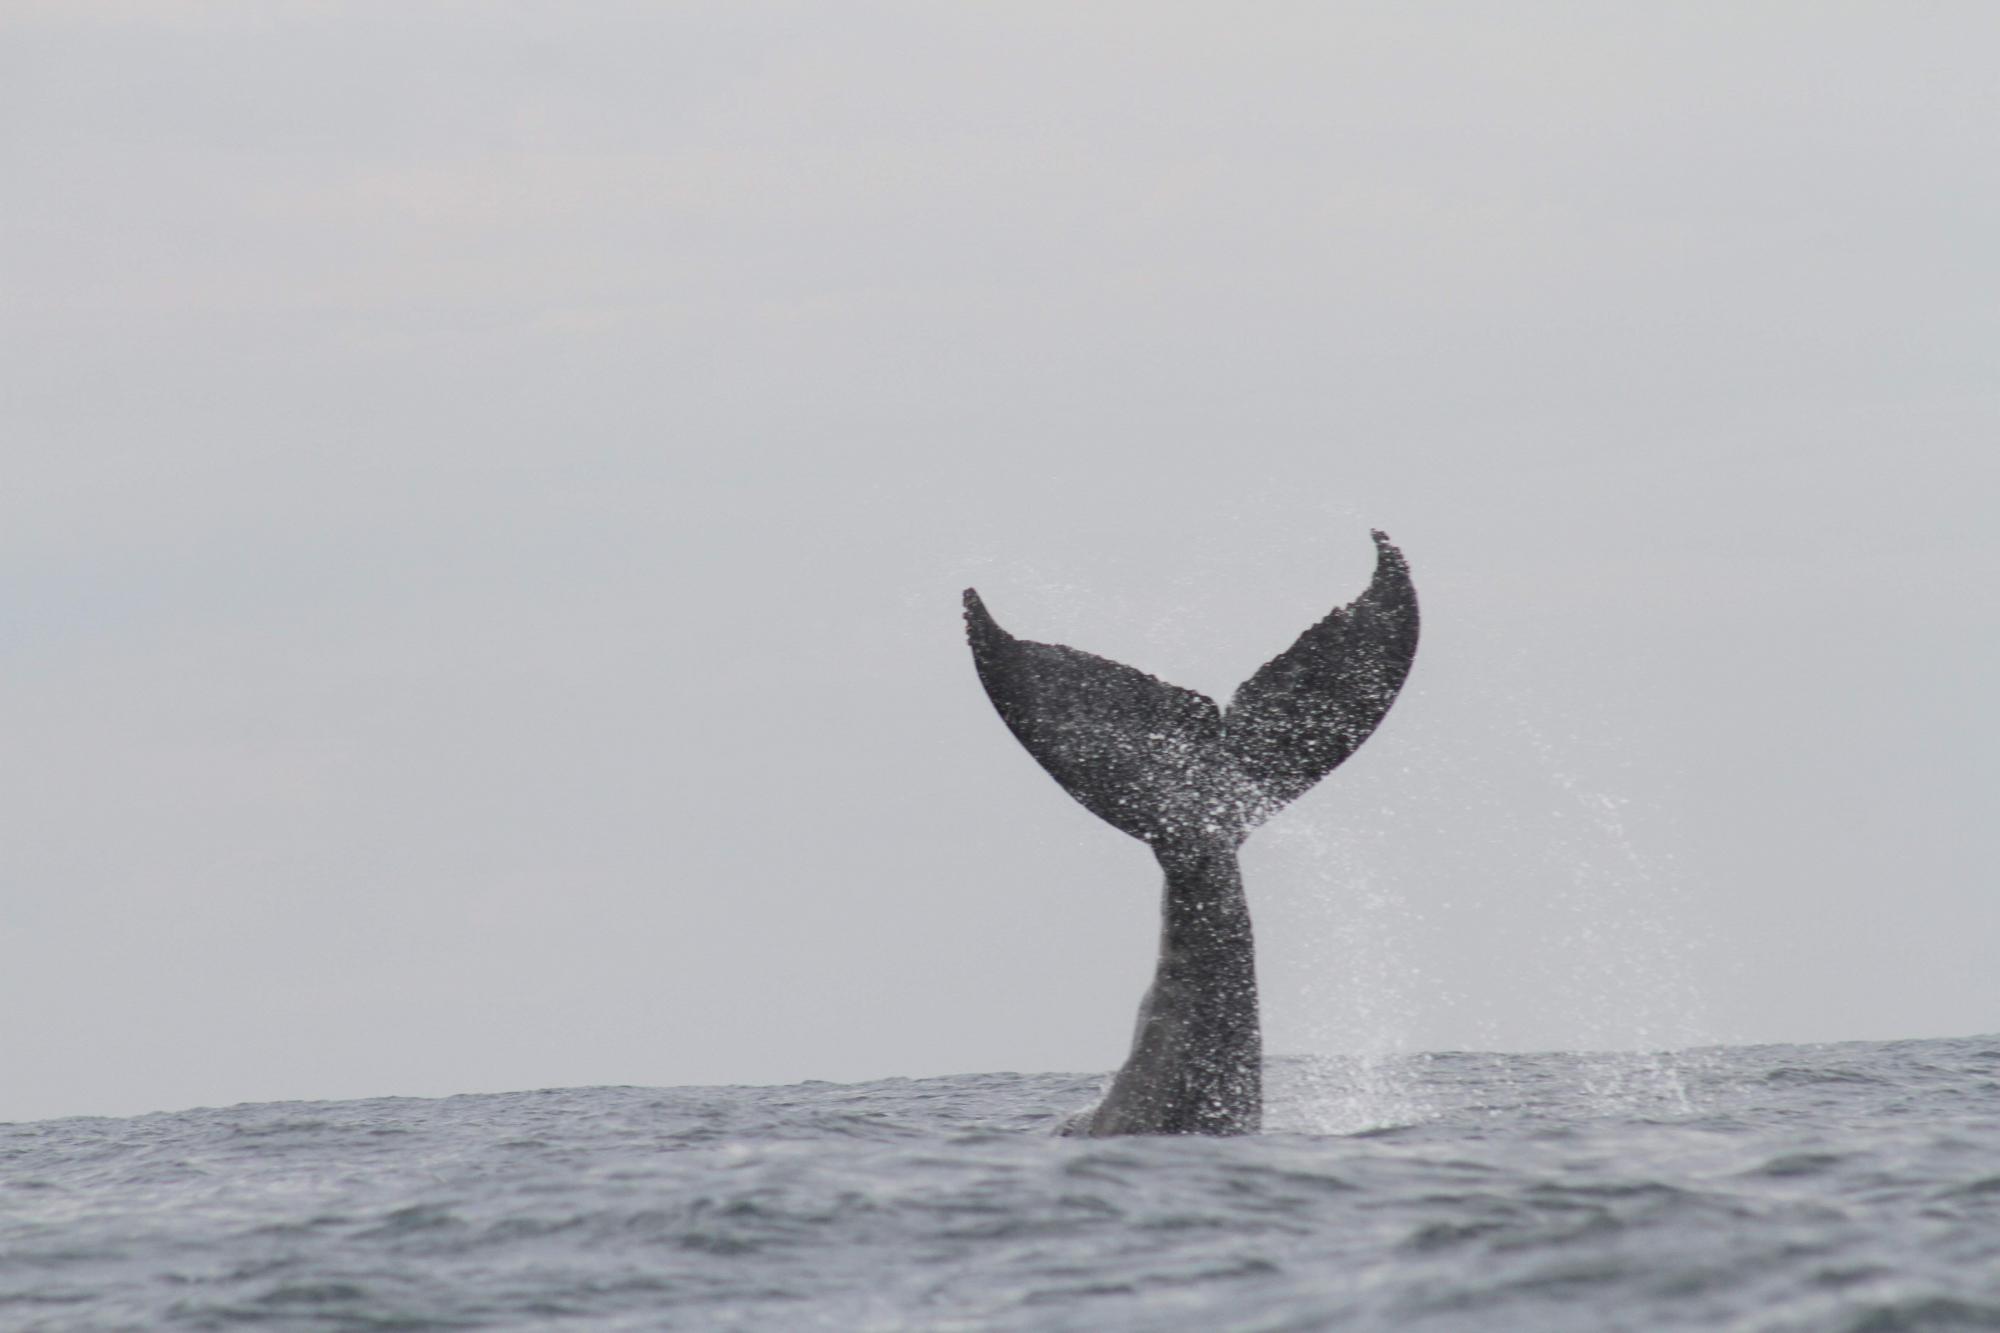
column 1166, row 766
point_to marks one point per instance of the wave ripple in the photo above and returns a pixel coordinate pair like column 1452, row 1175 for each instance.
column 1847, row 1187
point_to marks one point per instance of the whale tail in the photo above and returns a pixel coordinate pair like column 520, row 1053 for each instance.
column 1167, row 766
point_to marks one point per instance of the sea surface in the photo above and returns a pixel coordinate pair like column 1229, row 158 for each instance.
column 1843, row 1187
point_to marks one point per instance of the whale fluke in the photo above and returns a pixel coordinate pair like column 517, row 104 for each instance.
column 1165, row 765
column 1307, row 709
column 1140, row 754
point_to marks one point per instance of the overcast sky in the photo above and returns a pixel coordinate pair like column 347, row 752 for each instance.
column 487, row 486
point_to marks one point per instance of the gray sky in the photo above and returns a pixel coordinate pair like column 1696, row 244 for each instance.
column 487, row 489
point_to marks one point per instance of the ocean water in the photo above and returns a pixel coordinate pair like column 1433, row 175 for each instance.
column 1844, row 1187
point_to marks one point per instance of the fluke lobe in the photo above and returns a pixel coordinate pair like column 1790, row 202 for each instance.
column 1167, row 766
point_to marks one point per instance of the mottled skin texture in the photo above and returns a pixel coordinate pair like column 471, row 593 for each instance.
column 1166, row 766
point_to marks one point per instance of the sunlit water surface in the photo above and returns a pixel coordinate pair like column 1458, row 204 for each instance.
column 1847, row 1187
